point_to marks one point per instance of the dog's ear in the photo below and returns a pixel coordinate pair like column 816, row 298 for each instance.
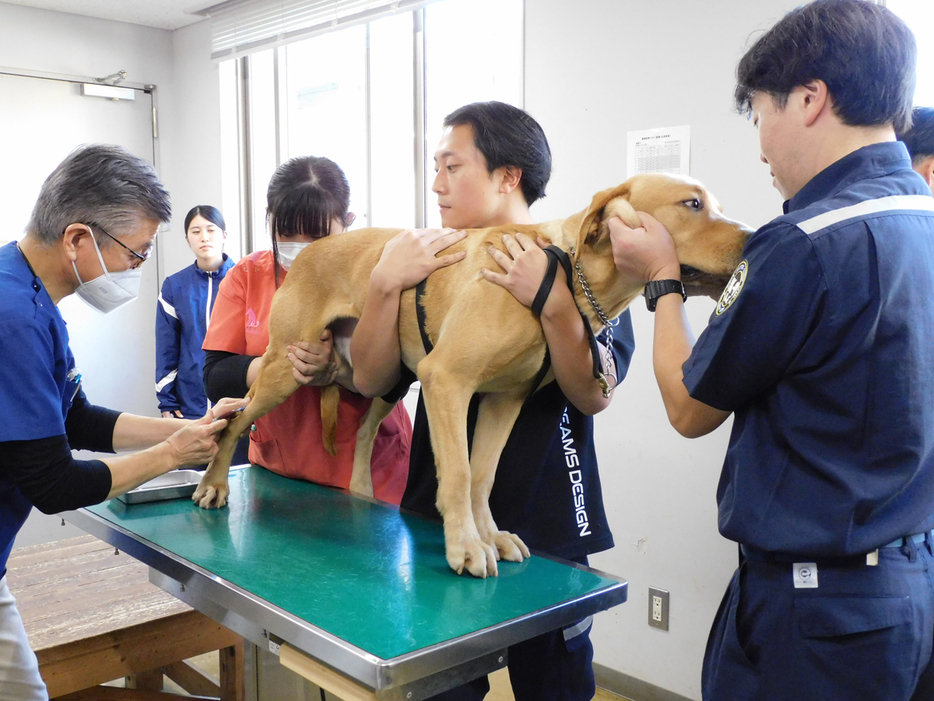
column 605, row 205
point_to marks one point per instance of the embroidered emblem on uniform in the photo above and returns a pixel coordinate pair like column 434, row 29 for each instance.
column 733, row 287
column 805, row 574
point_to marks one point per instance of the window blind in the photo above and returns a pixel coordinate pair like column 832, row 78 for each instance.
column 244, row 26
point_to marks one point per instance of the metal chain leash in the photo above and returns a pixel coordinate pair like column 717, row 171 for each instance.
column 607, row 323
column 588, row 293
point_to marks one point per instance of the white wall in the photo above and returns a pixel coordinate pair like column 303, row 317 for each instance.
column 595, row 69
column 178, row 63
column 191, row 143
column 70, row 44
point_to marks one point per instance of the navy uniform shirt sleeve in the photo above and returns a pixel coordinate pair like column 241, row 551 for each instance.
column 751, row 343
column 30, row 398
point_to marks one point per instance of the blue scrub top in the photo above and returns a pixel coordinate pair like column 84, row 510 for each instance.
column 823, row 347
column 38, row 379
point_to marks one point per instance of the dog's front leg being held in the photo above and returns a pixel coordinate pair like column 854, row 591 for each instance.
column 495, row 418
column 274, row 383
column 446, row 398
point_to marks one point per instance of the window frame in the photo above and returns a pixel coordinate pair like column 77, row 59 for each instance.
column 252, row 233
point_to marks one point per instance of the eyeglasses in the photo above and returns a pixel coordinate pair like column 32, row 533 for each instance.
column 142, row 258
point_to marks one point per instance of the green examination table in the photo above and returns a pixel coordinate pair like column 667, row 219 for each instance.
column 353, row 594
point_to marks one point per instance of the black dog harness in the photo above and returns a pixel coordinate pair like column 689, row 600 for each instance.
column 555, row 255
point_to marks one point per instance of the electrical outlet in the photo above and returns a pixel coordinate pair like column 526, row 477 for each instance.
column 658, row 608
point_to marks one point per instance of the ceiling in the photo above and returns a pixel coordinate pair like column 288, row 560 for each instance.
column 163, row 14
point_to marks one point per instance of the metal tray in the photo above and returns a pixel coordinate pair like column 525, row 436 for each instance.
column 171, row 485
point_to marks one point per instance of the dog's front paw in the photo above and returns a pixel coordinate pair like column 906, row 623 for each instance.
column 473, row 555
column 211, row 496
column 509, row 546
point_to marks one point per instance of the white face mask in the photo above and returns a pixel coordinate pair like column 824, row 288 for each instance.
column 110, row 290
column 288, row 251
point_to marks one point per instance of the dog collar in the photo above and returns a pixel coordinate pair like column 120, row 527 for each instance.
column 659, row 288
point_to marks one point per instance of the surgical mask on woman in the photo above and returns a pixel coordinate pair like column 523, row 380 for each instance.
column 288, row 252
column 110, row 290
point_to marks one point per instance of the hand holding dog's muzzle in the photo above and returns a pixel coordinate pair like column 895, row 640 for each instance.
column 644, row 254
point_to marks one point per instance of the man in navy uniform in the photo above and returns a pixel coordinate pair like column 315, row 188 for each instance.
column 822, row 350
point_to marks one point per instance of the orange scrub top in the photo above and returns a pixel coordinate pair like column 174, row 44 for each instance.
column 287, row 440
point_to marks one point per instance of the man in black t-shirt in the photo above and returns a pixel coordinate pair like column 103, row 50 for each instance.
column 492, row 163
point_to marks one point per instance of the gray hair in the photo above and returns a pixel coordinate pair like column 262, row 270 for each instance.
column 99, row 184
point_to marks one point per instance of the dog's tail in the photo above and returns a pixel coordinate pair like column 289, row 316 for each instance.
column 330, row 398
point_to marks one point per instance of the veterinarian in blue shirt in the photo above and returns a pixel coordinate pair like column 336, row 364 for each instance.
column 821, row 347
column 91, row 229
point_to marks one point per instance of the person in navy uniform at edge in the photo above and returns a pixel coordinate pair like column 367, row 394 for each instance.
column 92, row 228
column 492, row 163
column 821, row 350
column 919, row 140
column 182, row 315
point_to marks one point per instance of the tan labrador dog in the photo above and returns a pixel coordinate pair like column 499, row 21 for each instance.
column 484, row 341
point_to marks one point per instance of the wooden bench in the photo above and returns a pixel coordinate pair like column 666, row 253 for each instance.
column 92, row 616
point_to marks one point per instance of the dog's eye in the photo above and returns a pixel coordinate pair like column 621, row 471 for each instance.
column 694, row 204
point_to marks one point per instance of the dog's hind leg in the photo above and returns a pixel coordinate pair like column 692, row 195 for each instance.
column 495, row 418
column 273, row 385
column 361, row 479
column 446, row 396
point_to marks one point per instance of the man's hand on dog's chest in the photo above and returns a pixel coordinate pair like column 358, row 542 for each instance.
column 524, row 264
column 412, row 255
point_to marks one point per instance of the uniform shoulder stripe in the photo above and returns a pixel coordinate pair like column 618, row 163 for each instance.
column 167, row 308
column 861, row 210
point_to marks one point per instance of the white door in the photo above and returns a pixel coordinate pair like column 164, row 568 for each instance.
column 41, row 121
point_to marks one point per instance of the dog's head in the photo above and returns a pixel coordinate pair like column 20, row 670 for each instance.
column 708, row 244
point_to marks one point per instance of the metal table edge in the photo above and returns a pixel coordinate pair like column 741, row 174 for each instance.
column 375, row 673
column 344, row 657
column 417, row 664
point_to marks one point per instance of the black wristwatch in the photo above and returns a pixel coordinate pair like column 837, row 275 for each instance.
column 659, row 288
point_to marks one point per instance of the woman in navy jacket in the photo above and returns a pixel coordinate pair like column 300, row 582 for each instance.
column 182, row 316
